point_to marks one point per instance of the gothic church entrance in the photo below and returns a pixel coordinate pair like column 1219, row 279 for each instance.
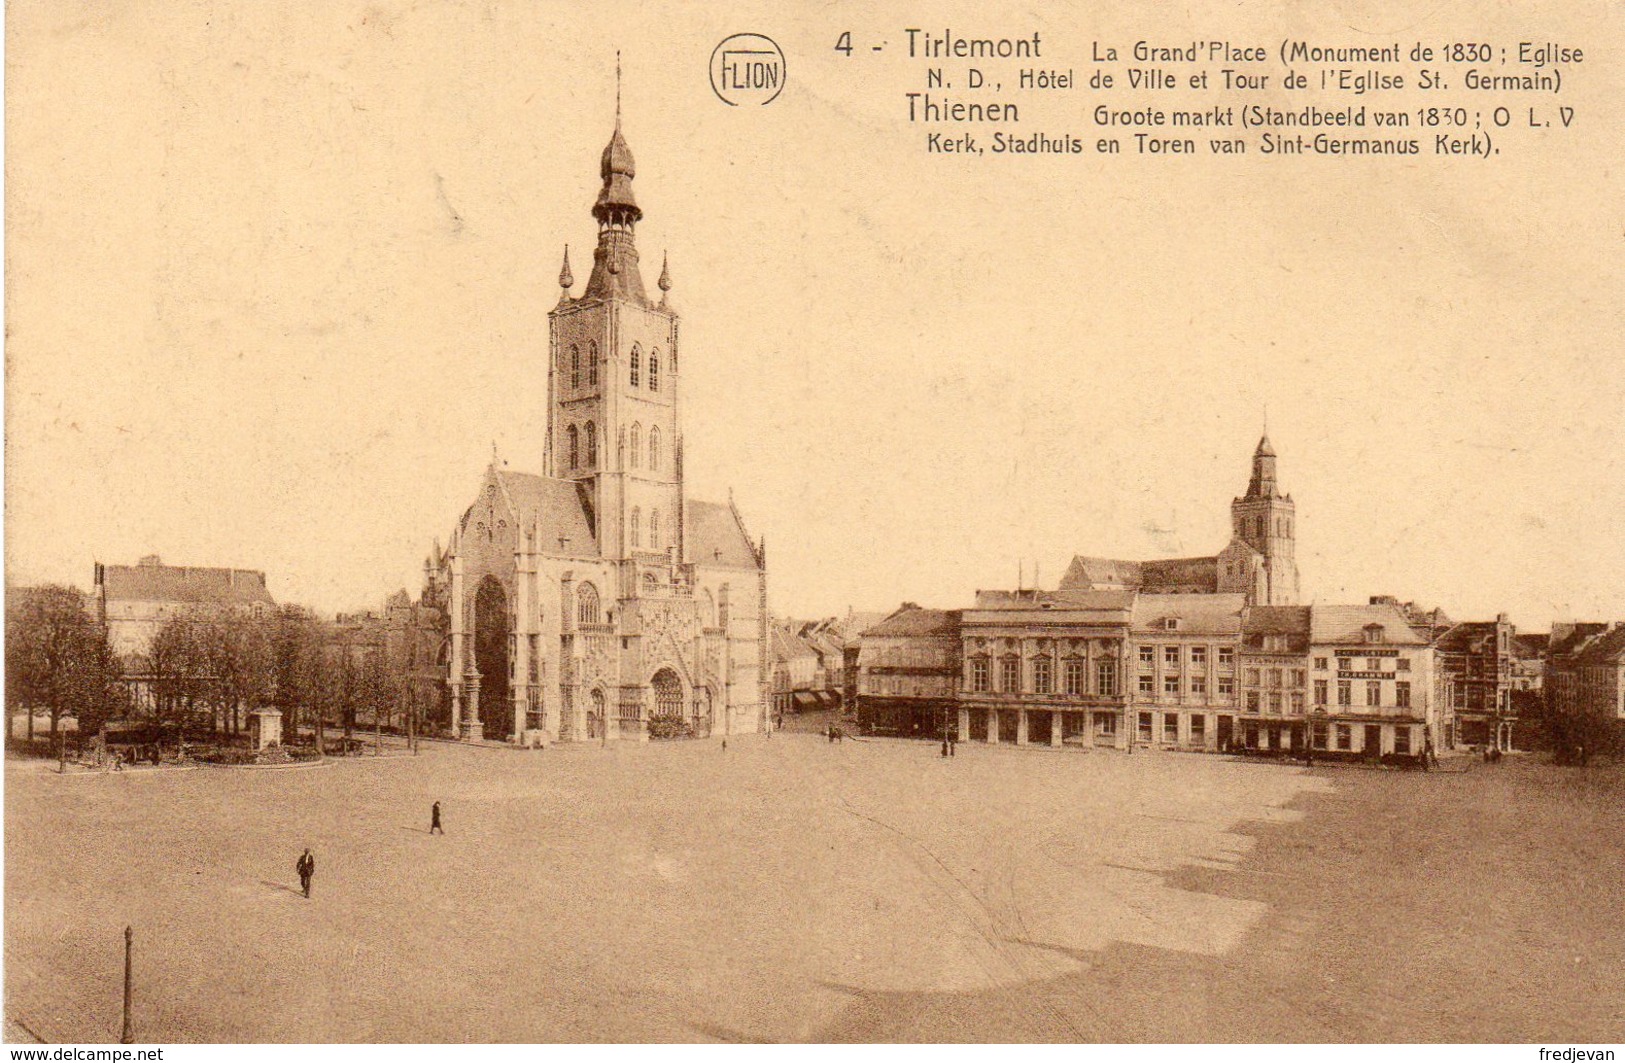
column 491, row 658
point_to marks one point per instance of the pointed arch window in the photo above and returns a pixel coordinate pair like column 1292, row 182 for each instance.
column 575, row 366
column 587, row 604
column 654, row 529
column 654, row 448
column 637, row 531
column 575, row 443
column 592, row 443
column 592, row 364
column 637, row 361
column 654, row 369
column 637, row 445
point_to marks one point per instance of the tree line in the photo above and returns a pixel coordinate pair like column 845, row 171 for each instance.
column 207, row 667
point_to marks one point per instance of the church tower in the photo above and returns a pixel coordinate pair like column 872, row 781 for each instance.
column 613, row 382
column 1263, row 520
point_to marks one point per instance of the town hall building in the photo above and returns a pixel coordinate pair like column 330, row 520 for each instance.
column 595, row 600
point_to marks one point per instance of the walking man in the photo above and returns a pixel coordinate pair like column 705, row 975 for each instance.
column 434, row 819
column 307, row 869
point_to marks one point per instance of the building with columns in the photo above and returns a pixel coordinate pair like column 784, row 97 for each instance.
column 596, row 599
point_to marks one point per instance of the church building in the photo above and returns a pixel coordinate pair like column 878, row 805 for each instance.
column 594, row 600
column 1257, row 563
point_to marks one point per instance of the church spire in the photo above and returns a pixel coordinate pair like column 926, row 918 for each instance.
column 615, row 259
column 567, row 279
column 1262, row 484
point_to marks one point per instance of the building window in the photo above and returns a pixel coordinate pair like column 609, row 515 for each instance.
column 637, row 445
column 1402, row 694
column 1010, row 674
column 654, row 449
column 1198, row 729
column 1043, row 675
column 637, row 533
column 637, row 360
column 1252, row 700
column 1373, row 664
column 1320, row 692
column 592, row 443
column 1106, row 678
column 654, row 529
column 1320, row 664
column 587, row 604
column 654, row 370
column 1275, row 702
column 1148, row 684
column 1170, row 656
column 592, row 364
column 1403, row 664
column 1275, row 679
column 1373, row 693
column 1227, row 686
column 1344, row 664
column 1170, row 728
column 1198, row 656
column 1074, row 677
column 1198, row 684
column 1297, row 703
column 1106, row 724
column 1318, row 734
column 978, row 675
column 1402, row 740
column 1145, row 727
column 1252, row 677
column 1345, row 693
column 1170, row 685
column 1345, row 736
column 575, row 447
column 1227, row 655
column 575, row 366
column 1298, row 677
column 1148, row 655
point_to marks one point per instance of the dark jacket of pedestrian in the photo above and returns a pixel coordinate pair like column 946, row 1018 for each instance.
column 307, row 870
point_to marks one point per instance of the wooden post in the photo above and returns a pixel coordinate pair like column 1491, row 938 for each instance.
column 128, row 1036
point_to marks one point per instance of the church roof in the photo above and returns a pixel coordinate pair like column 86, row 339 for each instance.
column 915, row 622
column 153, row 582
column 713, row 537
column 557, row 507
column 1196, row 574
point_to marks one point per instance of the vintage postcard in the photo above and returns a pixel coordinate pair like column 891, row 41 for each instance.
column 533, row 522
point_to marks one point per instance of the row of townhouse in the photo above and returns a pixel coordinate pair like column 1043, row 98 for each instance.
column 1585, row 683
column 1126, row 670
column 811, row 662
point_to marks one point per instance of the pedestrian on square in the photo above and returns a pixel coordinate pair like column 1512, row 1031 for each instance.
column 953, row 744
column 434, row 819
column 307, row 870
column 945, row 748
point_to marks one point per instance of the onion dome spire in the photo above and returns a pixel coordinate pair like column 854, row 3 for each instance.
column 615, row 259
column 664, row 283
column 566, row 278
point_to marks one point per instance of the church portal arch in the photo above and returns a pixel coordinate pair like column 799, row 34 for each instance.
column 491, row 630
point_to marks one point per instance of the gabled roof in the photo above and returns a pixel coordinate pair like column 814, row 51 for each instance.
column 1208, row 614
column 1530, row 645
column 180, row 583
column 1174, row 573
column 1576, row 637
column 1276, row 620
column 1072, row 599
column 1347, row 624
column 917, row 622
column 558, row 508
column 715, row 538
column 1469, row 636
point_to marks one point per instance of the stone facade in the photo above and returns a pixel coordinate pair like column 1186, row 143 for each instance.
column 596, row 600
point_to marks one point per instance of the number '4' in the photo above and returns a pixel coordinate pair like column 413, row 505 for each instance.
column 844, row 44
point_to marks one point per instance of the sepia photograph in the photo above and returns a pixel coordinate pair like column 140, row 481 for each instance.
column 541, row 523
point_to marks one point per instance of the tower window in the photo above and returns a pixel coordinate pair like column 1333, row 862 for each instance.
column 637, row 445
column 654, row 448
column 587, row 604
column 575, row 366
column 592, row 365
column 637, row 531
column 654, row 370
column 637, row 359
column 592, row 443
column 575, row 442
column 654, row 529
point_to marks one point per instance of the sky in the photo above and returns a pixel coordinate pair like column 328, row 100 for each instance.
column 278, row 278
